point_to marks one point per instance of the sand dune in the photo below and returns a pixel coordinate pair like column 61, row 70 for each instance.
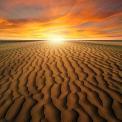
column 71, row 82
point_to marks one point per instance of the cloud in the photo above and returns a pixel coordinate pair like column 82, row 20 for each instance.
column 76, row 18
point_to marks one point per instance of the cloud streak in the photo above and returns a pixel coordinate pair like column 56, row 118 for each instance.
column 80, row 19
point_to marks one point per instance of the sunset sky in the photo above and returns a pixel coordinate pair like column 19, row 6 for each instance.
column 73, row 19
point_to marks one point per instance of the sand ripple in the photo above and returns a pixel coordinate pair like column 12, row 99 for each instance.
column 68, row 83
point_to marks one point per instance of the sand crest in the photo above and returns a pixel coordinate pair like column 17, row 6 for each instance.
column 71, row 82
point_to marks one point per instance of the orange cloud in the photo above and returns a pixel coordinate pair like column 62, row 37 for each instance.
column 79, row 19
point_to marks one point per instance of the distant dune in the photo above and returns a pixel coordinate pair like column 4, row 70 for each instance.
column 74, row 81
column 107, row 42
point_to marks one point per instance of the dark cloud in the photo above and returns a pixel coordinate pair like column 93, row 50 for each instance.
column 34, row 9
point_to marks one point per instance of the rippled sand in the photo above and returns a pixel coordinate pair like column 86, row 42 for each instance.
column 71, row 82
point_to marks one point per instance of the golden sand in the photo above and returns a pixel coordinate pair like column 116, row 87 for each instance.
column 71, row 82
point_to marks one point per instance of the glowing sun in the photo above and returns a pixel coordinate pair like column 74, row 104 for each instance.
column 56, row 39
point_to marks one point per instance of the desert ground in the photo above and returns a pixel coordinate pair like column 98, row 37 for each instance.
column 69, row 82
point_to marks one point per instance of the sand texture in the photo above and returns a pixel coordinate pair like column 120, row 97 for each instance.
column 71, row 82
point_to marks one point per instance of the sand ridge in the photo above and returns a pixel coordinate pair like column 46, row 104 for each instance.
column 71, row 82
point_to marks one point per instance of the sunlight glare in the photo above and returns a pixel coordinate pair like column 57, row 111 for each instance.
column 56, row 39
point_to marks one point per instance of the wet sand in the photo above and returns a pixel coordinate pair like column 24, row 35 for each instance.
column 41, row 82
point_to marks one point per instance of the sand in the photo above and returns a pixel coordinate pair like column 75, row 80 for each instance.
column 71, row 82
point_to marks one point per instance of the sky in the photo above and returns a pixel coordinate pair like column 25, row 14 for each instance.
column 72, row 19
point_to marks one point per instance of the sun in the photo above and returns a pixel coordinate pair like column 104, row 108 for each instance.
column 56, row 39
